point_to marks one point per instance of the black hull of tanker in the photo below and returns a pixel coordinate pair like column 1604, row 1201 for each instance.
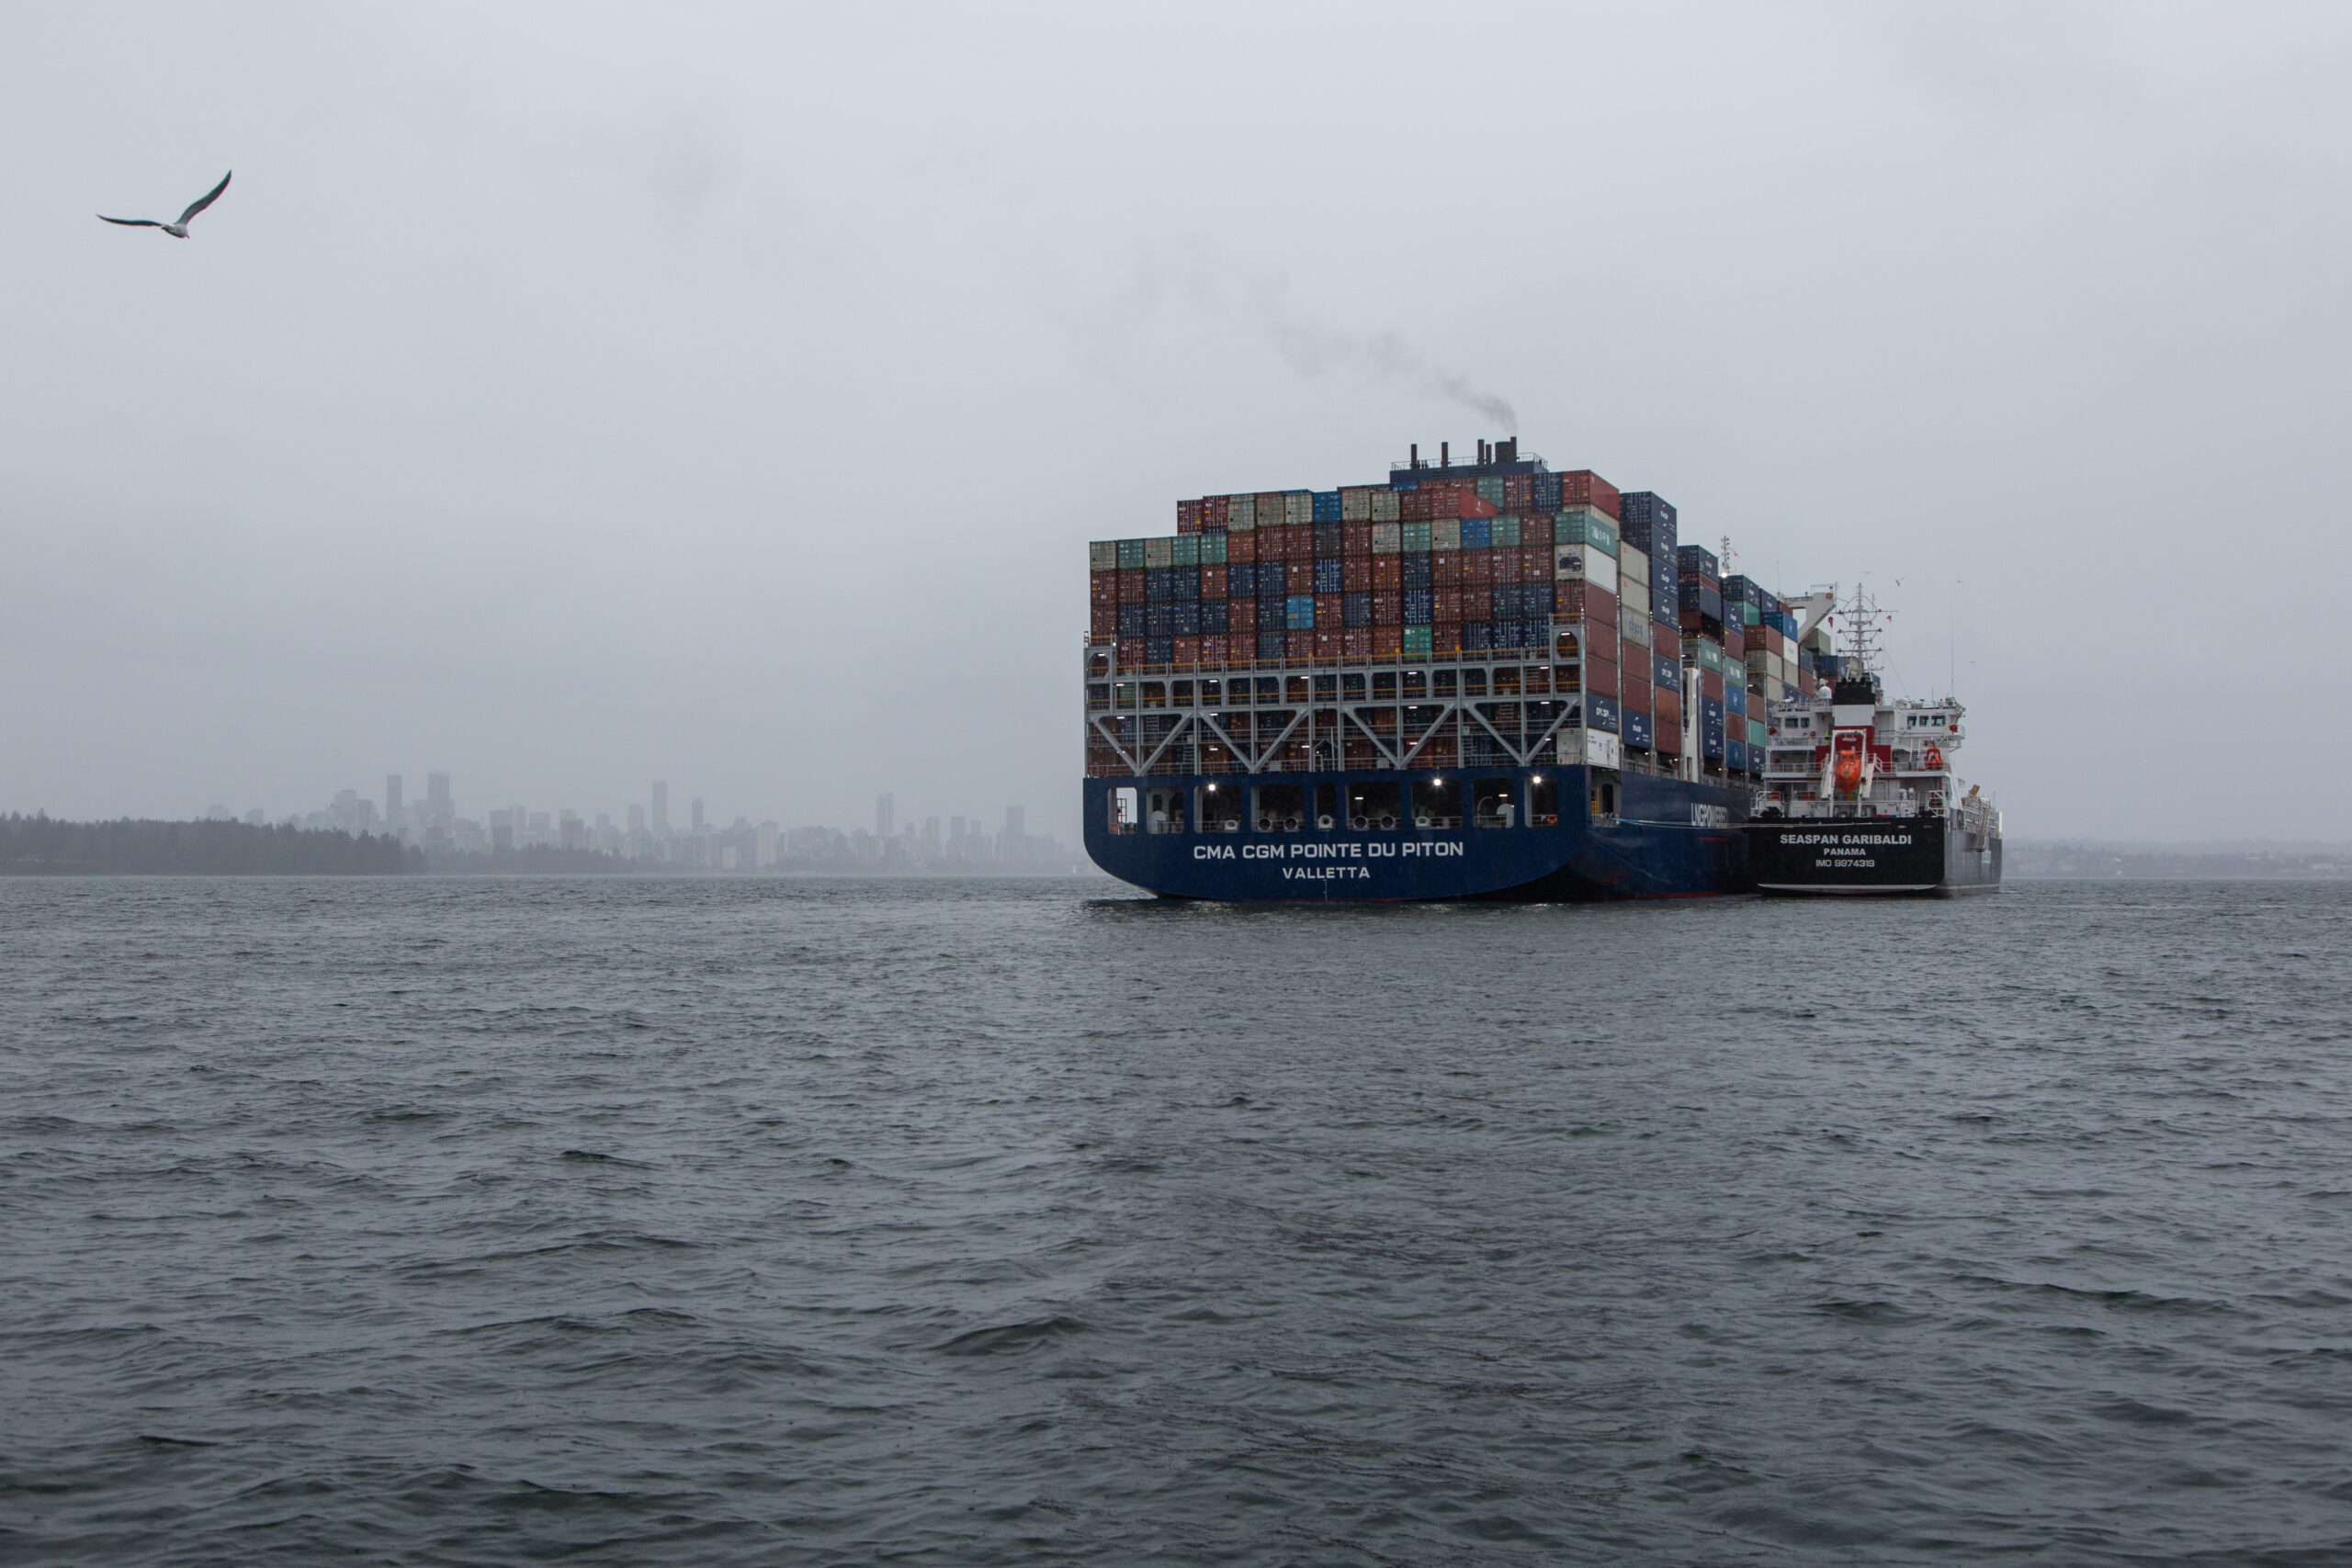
column 1668, row 839
column 1886, row 857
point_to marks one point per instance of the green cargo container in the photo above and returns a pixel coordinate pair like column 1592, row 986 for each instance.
column 1187, row 550
column 1504, row 534
column 1417, row 538
column 1213, row 548
column 1586, row 526
column 1130, row 553
column 1417, row 641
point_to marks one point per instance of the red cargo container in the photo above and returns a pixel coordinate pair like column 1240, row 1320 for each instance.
column 1735, row 644
column 1242, row 617
column 1212, row 511
column 1188, row 517
column 1387, row 641
column 1666, row 718
column 1445, row 568
column 1446, row 607
column 1298, row 576
column 1580, row 598
column 1213, row 649
column 1130, row 652
column 1326, row 643
column 1212, row 583
column 1599, row 676
column 1536, row 532
column 1329, row 611
column 1188, row 651
column 1387, row 574
column 1519, row 492
column 1711, row 685
column 1240, row 548
column 1103, row 620
column 1388, row 609
column 1477, row 601
column 1477, row 569
column 1103, row 587
column 1585, row 488
column 1355, row 573
column 1300, row 541
column 1356, row 642
column 1635, row 696
column 1131, row 585
column 1355, row 538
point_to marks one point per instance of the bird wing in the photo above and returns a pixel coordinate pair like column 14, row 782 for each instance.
column 130, row 222
column 207, row 200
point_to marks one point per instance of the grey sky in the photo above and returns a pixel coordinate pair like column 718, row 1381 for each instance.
column 566, row 396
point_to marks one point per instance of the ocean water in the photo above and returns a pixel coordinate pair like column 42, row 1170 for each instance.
column 426, row 1221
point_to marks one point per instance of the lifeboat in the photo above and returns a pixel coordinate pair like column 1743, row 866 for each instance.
column 1847, row 768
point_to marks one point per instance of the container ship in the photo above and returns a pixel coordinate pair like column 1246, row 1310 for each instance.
column 1484, row 680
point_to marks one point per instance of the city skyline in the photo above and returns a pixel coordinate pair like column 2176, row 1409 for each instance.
column 438, row 823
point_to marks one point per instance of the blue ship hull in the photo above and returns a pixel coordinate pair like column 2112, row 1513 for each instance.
column 1668, row 839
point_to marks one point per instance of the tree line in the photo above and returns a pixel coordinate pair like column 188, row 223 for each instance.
column 45, row 845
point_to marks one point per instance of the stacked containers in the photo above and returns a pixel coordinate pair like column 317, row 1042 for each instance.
column 1650, row 525
column 1491, row 562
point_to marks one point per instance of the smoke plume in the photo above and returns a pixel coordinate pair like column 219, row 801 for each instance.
column 1259, row 303
column 1314, row 347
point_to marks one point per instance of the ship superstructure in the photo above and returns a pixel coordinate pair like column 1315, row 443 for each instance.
column 1862, row 792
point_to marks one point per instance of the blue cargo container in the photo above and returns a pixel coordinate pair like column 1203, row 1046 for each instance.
column 1637, row 730
column 1133, row 619
column 1419, row 607
column 1327, row 579
column 1695, row 595
column 1664, row 671
column 1158, row 650
column 1188, row 618
column 1155, row 584
column 1697, row 561
column 1601, row 713
column 1212, row 616
column 1356, row 609
column 1271, row 645
column 1477, row 635
column 1327, row 538
column 1241, row 581
column 1326, row 506
column 1736, row 754
column 1298, row 612
column 1478, row 532
column 1159, row 620
column 1416, row 570
column 1547, row 492
column 1640, row 514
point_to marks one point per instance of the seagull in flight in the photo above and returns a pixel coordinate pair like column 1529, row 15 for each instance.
column 176, row 230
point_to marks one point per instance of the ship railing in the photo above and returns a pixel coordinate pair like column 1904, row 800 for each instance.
column 1525, row 654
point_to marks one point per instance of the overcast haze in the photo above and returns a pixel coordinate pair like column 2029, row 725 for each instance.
column 566, row 398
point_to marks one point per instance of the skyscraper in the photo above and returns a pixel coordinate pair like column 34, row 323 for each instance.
column 661, row 808
column 438, row 801
column 392, row 812
column 697, row 815
column 886, row 815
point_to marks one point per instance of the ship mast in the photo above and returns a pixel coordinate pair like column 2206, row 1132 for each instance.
column 1862, row 614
